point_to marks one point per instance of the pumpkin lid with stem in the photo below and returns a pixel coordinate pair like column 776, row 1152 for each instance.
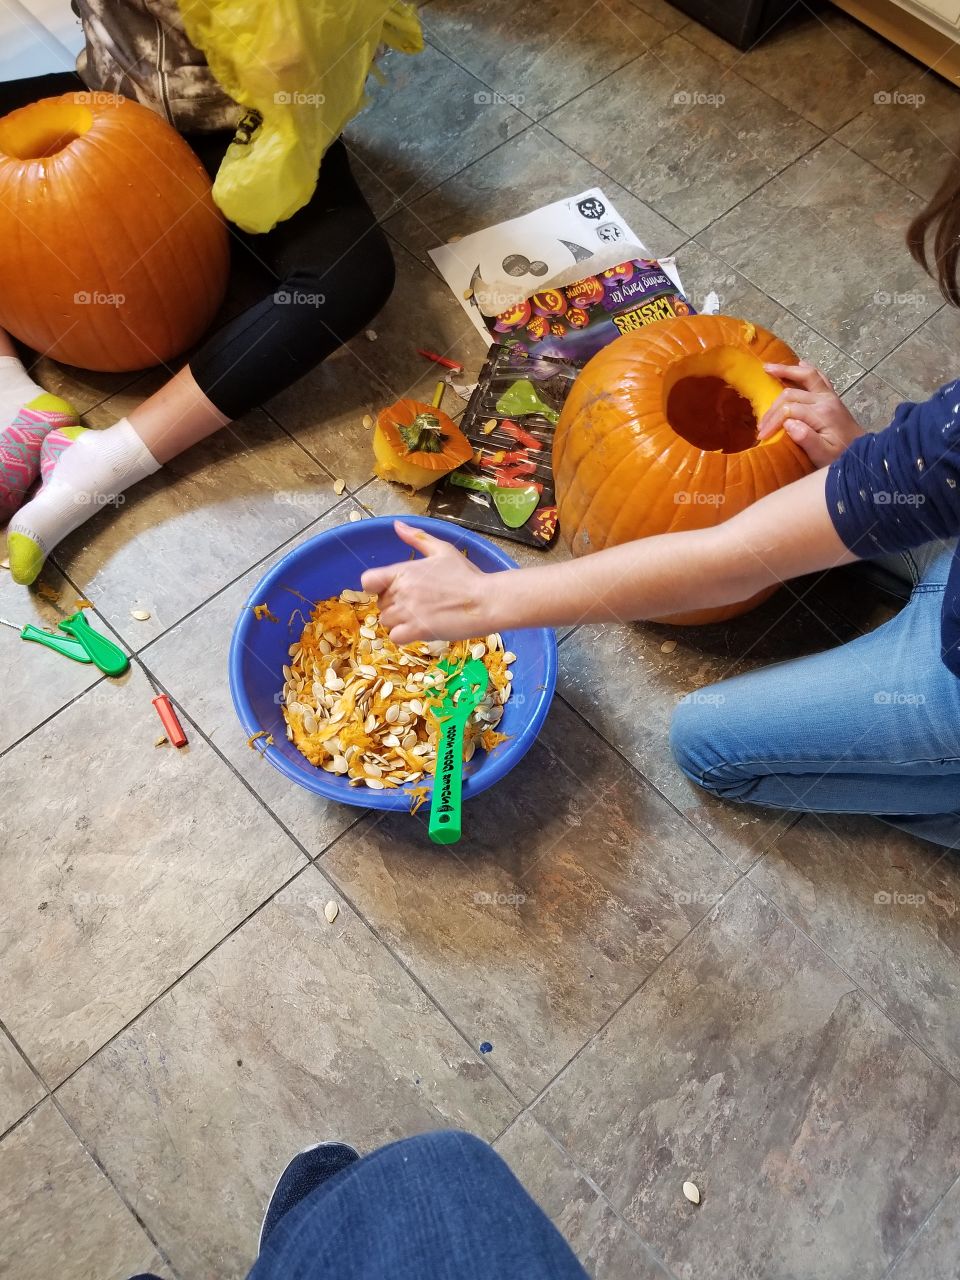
column 425, row 436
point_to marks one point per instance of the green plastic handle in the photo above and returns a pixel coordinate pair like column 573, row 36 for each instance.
column 103, row 653
column 445, row 805
column 446, row 813
column 69, row 647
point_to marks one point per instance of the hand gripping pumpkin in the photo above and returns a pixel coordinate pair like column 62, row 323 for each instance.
column 658, row 434
column 112, row 254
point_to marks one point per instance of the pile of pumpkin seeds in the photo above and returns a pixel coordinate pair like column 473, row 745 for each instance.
column 384, row 691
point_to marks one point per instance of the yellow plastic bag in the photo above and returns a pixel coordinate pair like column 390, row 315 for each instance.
column 302, row 66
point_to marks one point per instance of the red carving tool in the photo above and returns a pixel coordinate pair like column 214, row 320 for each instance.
column 441, row 360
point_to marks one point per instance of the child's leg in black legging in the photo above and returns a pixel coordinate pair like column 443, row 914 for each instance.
column 333, row 272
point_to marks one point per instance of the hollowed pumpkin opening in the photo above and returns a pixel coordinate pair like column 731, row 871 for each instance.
column 44, row 131
column 712, row 415
column 713, row 399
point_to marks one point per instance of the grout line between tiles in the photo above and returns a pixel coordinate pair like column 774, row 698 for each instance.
column 907, row 1243
column 117, row 1191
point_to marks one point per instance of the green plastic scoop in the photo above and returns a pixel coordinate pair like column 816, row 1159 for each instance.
column 81, row 643
column 464, row 690
column 520, row 398
column 514, row 506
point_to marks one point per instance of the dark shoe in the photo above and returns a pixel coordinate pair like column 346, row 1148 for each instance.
column 305, row 1172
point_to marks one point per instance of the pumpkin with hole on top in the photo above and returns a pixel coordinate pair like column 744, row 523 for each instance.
column 113, row 256
column 659, row 433
column 415, row 444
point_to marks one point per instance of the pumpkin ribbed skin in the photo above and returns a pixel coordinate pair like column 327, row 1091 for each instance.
column 622, row 471
column 113, row 255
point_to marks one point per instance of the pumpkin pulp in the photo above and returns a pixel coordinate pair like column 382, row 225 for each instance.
column 46, row 130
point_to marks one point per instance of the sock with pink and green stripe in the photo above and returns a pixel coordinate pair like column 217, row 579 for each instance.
column 27, row 415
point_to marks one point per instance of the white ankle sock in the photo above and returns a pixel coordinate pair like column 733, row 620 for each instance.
column 16, row 388
column 90, row 474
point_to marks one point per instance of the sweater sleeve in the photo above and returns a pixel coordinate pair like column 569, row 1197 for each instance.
column 900, row 488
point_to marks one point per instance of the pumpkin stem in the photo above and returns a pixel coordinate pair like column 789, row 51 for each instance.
column 423, row 434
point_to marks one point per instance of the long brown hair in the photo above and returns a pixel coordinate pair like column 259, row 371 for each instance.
column 942, row 217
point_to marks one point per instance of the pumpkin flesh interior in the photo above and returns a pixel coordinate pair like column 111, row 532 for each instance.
column 714, row 399
column 44, row 130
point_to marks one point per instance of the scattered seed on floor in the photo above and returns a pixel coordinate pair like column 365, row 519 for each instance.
column 331, row 911
column 4, row 564
column 160, row 742
column 140, row 615
column 367, row 421
column 371, row 335
column 692, row 1192
column 339, row 486
column 355, row 516
column 668, row 646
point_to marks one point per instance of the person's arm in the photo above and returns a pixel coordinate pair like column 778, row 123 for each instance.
column 443, row 596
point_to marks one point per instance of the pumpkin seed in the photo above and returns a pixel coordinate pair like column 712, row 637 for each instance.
column 374, row 784
column 293, row 650
column 368, row 632
column 331, row 911
column 355, row 516
column 369, row 673
column 477, row 651
column 668, row 646
column 416, row 707
column 140, row 615
column 692, row 1192
column 390, row 740
column 392, row 713
column 367, row 420
column 372, row 770
column 339, row 764
column 339, row 486
column 409, row 740
column 310, row 723
column 509, row 656
column 386, row 689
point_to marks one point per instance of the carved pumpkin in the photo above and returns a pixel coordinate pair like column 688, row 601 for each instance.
column 415, row 444
column 658, row 434
column 112, row 254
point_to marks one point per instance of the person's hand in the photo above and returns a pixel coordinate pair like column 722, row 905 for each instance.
column 811, row 413
column 440, row 597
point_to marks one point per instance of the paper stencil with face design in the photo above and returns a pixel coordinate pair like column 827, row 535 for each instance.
column 500, row 266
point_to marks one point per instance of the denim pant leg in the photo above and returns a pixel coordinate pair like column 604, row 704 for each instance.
column 870, row 727
column 442, row 1206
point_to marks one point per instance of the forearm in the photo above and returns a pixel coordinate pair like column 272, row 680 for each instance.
column 784, row 535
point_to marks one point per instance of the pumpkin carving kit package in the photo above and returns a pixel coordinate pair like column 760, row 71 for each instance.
column 550, row 289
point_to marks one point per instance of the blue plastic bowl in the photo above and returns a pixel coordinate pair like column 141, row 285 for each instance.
column 327, row 565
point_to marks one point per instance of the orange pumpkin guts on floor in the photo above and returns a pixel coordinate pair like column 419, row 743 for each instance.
column 659, row 433
column 415, row 444
column 113, row 255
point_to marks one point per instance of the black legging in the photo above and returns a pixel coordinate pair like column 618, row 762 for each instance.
column 332, row 250
column 330, row 270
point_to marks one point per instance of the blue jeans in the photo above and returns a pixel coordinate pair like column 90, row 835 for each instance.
column 442, row 1206
column 870, row 727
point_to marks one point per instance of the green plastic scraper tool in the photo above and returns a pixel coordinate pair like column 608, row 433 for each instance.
column 465, row 688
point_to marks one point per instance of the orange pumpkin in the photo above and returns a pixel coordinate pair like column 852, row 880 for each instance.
column 659, row 434
column 415, row 444
column 113, row 255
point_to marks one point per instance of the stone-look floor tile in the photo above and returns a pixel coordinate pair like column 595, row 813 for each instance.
column 928, row 357
column 932, row 1253
column 689, row 138
column 19, row 1087
column 429, row 119
column 573, row 880
column 825, row 239
column 702, row 272
column 194, row 525
column 666, row 14
column 909, row 130
column 530, row 170
column 36, row 681
column 190, row 662
column 61, row 1217
column 626, row 687
column 295, row 1030
column 540, row 56
column 872, row 401
column 606, row 1247
column 819, row 1136
column 887, row 908
column 123, row 867
column 822, row 65
column 325, row 409
column 78, row 387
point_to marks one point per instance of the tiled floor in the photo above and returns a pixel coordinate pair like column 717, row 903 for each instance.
column 673, row 988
